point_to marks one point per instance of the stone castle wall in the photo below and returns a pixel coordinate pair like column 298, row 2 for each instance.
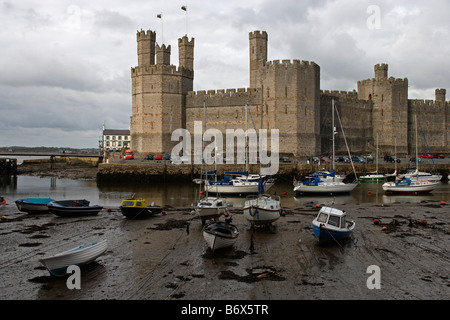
column 288, row 96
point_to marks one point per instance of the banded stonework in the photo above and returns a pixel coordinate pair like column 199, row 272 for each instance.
column 288, row 94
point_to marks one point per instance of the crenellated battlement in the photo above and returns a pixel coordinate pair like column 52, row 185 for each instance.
column 291, row 63
column 258, row 34
column 148, row 34
column 336, row 93
column 161, row 69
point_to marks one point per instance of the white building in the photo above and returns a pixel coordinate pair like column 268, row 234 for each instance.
column 115, row 139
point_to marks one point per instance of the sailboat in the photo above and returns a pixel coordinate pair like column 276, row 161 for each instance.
column 239, row 182
column 374, row 176
column 263, row 208
column 209, row 207
column 314, row 184
column 407, row 185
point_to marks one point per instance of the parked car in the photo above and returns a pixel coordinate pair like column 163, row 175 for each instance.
column 413, row 160
column 149, row 157
column 429, row 156
column 166, row 157
column 315, row 160
column 391, row 159
column 370, row 158
column 325, row 160
column 285, row 159
column 438, row 155
column 358, row 159
column 158, row 157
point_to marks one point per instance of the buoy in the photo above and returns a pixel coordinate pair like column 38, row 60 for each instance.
column 109, row 210
column 3, row 218
column 284, row 193
column 369, row 192
column 201, row 192
column 317, row 205
column 442, row 202
column 423, row 222
column 376, row 221
column 384, row 228
column 164, row 212
column 283, row 213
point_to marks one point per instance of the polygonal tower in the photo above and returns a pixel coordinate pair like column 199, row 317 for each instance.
column 159, row 94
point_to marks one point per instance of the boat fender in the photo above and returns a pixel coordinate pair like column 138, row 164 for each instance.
column 109, row 210
column 4, row 201
column 376, row 221
column 442, row 202
column 384, row 228
column 164, row 212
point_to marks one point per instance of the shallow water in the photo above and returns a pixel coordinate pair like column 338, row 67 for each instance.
column 183, row 194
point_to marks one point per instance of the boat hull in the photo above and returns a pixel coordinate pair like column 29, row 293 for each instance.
column 244, row 188
column 57, row 265
column 374, row 177
column 139, row 212
column 33, row 205
column 327, row 234
column 67, row 208
column 414, row 187
column 262, row 210
column 326, row 188
column 220, row 235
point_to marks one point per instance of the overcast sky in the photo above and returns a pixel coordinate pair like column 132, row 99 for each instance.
column 65, row 65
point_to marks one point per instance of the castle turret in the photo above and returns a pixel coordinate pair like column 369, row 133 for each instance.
column 186, row 53
column 381, row 71
column 258, row 56
column 146, row 47
column 163, row 54
column 389, row 98
column 440, row 94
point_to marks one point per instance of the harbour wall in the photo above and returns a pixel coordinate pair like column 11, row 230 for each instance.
column 187, row 172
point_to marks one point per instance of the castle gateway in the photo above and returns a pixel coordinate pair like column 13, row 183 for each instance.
column 288, row 94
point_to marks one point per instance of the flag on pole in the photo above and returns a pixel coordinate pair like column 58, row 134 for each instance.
column 183, row 8
column 159, row 16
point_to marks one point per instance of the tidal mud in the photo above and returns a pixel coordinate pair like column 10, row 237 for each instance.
column 157, row 259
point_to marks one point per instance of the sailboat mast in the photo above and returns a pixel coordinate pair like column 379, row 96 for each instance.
column 246, row 139
column 262, row 111
column 203, row 146
column 377, row 154
column 333, row 129
column 417, row 154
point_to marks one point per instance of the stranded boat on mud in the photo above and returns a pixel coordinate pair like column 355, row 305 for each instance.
column 331, row 224
column 137, row 209
column 57, row 265
column 33, row 205
column 220, row 235
column 72, row 208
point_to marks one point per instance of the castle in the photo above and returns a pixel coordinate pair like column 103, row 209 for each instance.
column 288, row 94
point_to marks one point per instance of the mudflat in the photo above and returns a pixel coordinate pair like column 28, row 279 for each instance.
column 165, row 257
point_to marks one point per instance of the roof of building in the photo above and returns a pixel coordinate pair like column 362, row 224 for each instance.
column 116, row 132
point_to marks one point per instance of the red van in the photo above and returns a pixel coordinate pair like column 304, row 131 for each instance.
column 129, row 154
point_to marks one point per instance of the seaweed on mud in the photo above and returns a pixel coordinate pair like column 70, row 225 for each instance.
column 170, row 224
column 253, row 275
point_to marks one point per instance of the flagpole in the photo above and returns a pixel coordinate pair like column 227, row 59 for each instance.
column 160, row 16
column 185, row 9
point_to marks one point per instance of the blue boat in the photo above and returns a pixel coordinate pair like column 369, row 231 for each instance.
column 33, row 205
column 331, row 224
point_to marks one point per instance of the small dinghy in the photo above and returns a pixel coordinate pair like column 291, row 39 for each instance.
column 73, row 208
column 220, row 235
column 331, row 224
column 137, row 209
column 57, row 264
column 33, row 205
